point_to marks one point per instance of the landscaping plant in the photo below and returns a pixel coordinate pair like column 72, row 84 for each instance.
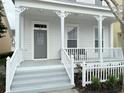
column 96, row 85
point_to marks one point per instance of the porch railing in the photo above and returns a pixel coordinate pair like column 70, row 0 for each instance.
column 11, row 65
column 112, row 54
column 100, row 70
column 93, row 54
column 91, row 2
column 68, row 62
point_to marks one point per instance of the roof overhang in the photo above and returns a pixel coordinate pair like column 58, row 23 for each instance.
column 69, row 7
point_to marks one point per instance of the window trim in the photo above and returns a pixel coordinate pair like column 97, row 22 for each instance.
column 66, row 34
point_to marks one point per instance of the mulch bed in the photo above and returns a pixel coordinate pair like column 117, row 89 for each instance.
column 88, row 88
column 2, row 88
column 2, row 83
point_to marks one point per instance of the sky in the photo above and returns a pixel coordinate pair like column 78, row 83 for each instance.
column 10, row 12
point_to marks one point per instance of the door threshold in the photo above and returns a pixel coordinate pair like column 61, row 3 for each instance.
column 40, row 59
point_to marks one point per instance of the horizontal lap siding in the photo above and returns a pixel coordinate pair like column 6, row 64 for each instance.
column 85, row 34
column 27, row 40
column 53, row 32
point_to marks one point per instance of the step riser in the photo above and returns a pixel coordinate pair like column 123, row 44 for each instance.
column 46, row 90
column 28, row 84
column 19, row 77
column 43, row 80
column 39, row 71
column 42, row 87
column 30, row 74
column 40, row 79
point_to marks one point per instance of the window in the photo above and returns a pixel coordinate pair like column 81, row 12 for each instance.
column 40, row 26
column 97, row 38
column 72, row 37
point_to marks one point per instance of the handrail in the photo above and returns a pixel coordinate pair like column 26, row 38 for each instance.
column 69, row 65
column 93, row 48
column 11, row 65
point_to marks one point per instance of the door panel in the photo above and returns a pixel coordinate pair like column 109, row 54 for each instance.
column 40, row 44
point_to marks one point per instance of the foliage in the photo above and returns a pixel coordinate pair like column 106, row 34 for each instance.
column 112, row 82
column 2, row 83
column 2, row 61
column 2, row 26
column 95, row 83
column 120, row 80
column 5, row 55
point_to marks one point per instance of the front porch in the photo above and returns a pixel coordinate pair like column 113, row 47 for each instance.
column 70, row 32
column 50, row 42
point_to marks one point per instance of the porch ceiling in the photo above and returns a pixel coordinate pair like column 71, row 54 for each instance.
column 44, row 12
column 78, row 16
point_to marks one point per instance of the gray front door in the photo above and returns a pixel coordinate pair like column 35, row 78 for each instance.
column 40, row 43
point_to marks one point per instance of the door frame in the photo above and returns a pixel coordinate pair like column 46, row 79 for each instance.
column 39, row 22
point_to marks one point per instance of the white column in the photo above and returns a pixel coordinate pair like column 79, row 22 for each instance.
column 100, row 37
column 22, row 32
column 62, row 30
column 62, row 15
column 100, row 28
column 18, row 27
column 111, row 35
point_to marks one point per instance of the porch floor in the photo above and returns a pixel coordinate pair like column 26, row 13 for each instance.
column 32, row 63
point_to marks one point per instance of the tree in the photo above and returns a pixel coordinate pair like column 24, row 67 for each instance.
column 2, row 26
column 118, row 12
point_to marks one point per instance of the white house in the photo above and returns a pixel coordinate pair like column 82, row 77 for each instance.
column 54, row 35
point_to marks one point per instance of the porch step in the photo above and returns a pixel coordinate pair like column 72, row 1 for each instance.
column 40, row 79
column 42, row 88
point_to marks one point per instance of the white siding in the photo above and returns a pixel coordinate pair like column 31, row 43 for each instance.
column 53, row 32
column 85, row 35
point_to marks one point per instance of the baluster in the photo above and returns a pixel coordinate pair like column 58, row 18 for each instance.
column 84, row 74
column 87, row 75
column 101, row 74
column 106, row 73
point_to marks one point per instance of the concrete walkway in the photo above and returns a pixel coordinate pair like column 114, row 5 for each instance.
column 65, row 91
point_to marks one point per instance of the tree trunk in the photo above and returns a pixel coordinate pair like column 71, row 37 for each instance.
column 122, row 35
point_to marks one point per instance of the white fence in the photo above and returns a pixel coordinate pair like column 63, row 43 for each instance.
column 11, row 66
column 93, row 54
column 68, row 64
column 100, row 70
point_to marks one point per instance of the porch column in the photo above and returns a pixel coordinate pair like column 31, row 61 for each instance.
column 18, row 27
column 62, row 15
column 100, row 28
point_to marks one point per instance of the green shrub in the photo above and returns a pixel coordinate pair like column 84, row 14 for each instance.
column 120, row 80
column 3, row 57
column 2, row 61
column 112, row 82
column 96, row 85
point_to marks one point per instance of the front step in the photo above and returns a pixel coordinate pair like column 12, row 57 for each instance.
column 40, row 79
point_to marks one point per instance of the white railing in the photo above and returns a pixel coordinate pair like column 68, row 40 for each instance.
column 93, row 54
column 11, row 66
column 100, row 70
column 84, row 2
column 68, row 64
column 111, row 54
